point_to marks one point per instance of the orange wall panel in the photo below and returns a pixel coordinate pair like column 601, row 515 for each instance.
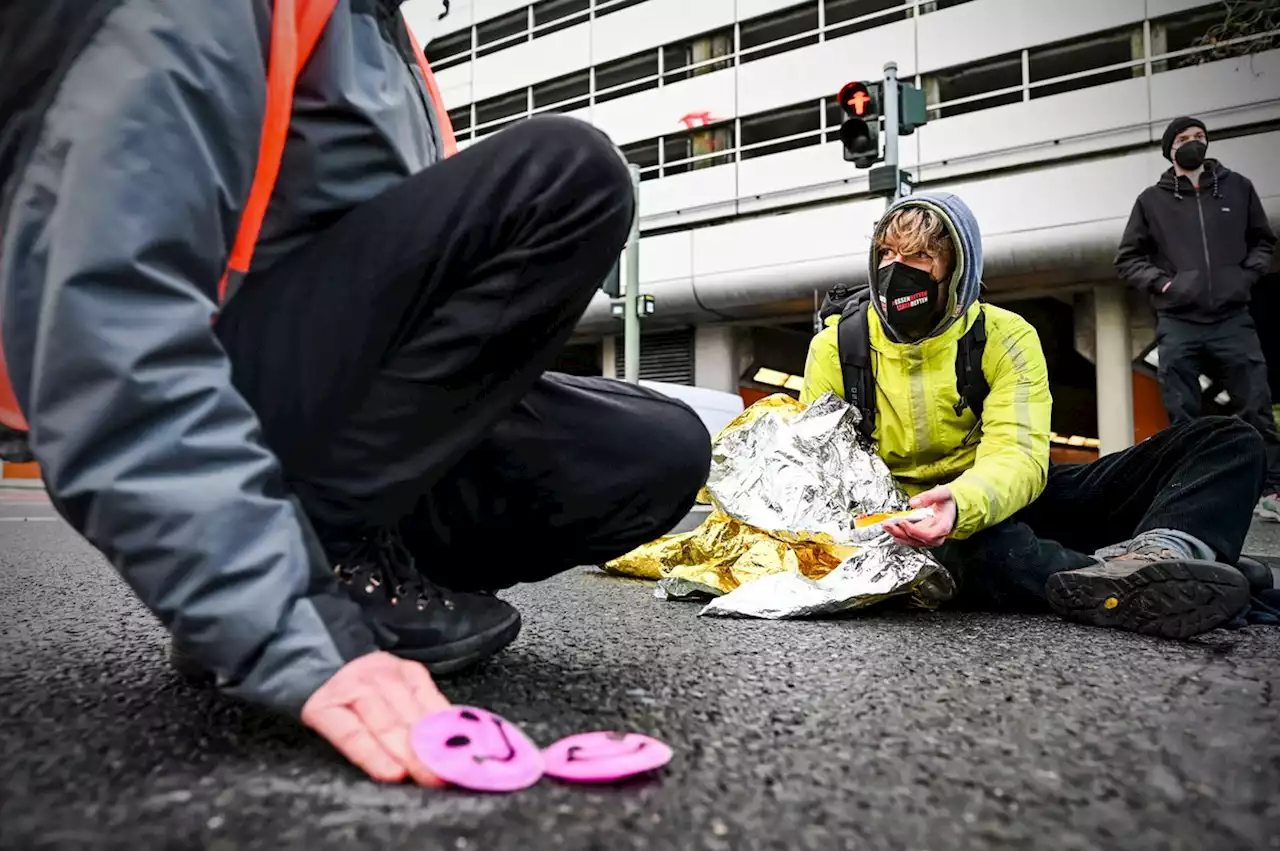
column 19, row 471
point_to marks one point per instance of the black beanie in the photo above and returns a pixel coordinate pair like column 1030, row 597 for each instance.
column 1171, row 132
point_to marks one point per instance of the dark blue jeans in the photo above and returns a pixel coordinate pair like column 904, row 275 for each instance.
column 1201, row 477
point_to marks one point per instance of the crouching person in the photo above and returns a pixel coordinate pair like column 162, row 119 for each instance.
column 956, row 395
column 289, row 369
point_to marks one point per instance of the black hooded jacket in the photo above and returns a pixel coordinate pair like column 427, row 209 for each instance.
column 1210, row 243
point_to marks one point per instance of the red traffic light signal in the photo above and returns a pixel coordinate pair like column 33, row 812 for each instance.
column 855, row 99
column 860, row 129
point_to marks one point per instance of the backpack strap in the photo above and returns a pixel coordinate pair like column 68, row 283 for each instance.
column 10, row 413
column 437, row 100
column 971, row 381
column 854, row 345
column 296, row 26
column 853, row 341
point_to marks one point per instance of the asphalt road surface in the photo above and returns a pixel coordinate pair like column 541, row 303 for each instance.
column 897, row 731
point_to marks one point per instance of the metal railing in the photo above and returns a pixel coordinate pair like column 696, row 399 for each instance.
column 1233, row 46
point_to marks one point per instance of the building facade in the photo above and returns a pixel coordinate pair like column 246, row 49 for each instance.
column 1044, row 116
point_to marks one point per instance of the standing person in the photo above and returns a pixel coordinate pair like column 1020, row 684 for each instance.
column 382, row 317
column 1196, row 243
column 954, row 393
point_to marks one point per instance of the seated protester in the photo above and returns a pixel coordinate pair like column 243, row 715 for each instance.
column 1139, row 540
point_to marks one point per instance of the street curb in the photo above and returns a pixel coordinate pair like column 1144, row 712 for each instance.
column 21, row 484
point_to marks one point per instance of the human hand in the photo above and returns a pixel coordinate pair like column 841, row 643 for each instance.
column 931, row 531
column 367, row 711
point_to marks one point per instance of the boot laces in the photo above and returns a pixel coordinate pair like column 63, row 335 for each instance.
column 1148, row 552
column 382, row 559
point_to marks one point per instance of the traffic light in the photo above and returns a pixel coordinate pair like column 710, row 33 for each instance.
column 860, row 130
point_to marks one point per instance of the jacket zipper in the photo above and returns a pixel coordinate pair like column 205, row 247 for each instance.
column 395, row 24
column 1204, row 239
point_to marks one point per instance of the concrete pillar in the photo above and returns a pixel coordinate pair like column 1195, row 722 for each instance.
column 1113, row 363
column 716, row 358
column 609, row 356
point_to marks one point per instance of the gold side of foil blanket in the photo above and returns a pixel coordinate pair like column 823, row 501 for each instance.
column 786, row 486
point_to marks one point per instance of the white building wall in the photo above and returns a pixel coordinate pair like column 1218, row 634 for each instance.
column 1063, row 220
column 1052, row 178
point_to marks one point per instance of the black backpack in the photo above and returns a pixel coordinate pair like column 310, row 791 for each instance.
column 854, row 344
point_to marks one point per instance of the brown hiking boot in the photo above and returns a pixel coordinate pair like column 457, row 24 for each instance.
column 1151, row 590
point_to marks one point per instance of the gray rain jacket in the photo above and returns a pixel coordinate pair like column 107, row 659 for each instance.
column 128, row 148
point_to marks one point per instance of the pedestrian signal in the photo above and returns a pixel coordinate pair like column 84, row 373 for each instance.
column 860, row 130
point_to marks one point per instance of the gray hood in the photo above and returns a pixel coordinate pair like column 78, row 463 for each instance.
column 965, row 285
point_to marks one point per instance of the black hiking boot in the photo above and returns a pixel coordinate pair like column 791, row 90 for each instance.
column 1151, row 590
column 448, row 631
column 410, row 617
column 1258, row 574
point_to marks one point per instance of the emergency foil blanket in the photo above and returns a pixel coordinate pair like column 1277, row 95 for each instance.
column 786, row 485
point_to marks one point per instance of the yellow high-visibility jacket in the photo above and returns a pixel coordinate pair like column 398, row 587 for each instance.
column 996, row 467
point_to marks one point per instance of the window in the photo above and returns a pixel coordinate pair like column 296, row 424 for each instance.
column 686, row 59
column 835, row 117
column 460, row 118
column 645, row 155
column 640, row 70
column 973, row 81
column 780, row 124
column 563, row 94
column 554, row 15
column 1207, row 26
column 481, row 132
column 511, row 105
column 1085, row 54
column 1187, row 30
column 608, row 7
column 939, row 5
column 449, row 50
column 851, row 16
column 492, row 36
column 767, row 29
column 680, row 148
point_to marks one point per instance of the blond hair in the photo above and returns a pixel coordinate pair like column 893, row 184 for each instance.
column 918, row 230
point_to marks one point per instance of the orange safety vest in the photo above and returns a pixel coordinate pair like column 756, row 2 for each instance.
column 296, row 27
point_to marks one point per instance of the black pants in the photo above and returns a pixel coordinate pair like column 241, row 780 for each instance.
column 1200, row 477
column 1230, row 353
column 397, row 365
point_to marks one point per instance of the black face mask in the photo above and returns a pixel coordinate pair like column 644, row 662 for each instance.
column 1191, row 155
column 911, row 300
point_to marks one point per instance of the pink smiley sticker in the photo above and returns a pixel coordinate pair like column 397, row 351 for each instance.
column 475, row 749
column 602, row 757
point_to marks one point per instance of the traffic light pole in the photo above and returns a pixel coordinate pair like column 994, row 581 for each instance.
column 891, row 124
column 890, row 111
column 631, row 289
